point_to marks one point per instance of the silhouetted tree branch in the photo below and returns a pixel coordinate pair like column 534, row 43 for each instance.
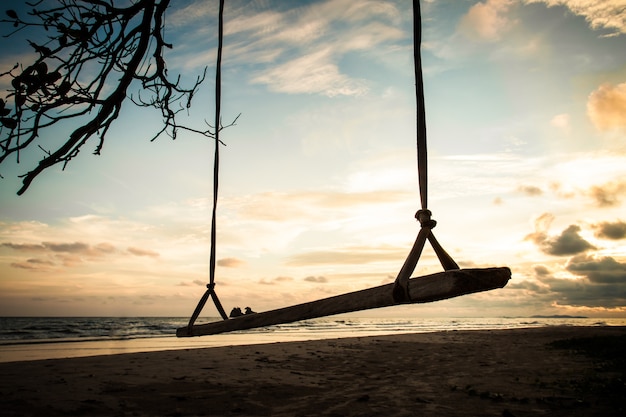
column 93, row 53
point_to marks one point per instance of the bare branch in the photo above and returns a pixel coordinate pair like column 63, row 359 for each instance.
column 124, row 45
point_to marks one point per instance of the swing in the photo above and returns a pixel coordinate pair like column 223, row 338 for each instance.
column 452, row 282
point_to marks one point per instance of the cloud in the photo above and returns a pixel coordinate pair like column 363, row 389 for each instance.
column 310, row 205
column 530, row 190
column 268, row 21
column 583, row 293
column 26, row 247
column 561, row 121
column 604, row 270
column 195, row 282
column 600, row 14
column 315, row 73
column 8, row 61
column 541, row 270
column 69, row 254
column 77, row 248
column 569, row 242
column 486, row 22
column 33, row 265
column 542, row 226
column 106, row 248
column 527, row 285
column 298, row 23
column 604, row 195
column 143, row 252
column 608, row 194
column 561, row 192
column 606, row 106
column 369, row 37
column 349, row 256
column 306, row 43
column 197, row 11
column 318, row 280
column 230, row 262
column 599, row 284
column 613, row 231
column 274, row 281
column 256, row 35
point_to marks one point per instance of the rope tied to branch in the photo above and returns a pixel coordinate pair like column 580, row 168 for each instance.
column 424, row 216
column 210, row 292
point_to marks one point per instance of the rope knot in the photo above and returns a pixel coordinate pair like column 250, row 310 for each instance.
column 423, row 216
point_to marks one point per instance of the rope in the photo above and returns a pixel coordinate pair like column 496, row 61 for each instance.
column 216, row 164
column 422, row 153
column 400, row 290
column 216, row 160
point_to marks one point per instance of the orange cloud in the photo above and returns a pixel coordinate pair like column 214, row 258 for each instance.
column 230, row 262
column 609, row 194
column 33, row 265
column 486, row 22
column 143, row 252
column 76, row 248
column 606, row 107
column 317, row 280
column 24, row 247
column 275, row 281
column 70, row 254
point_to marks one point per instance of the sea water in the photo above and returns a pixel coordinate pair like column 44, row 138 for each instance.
column 33, row 338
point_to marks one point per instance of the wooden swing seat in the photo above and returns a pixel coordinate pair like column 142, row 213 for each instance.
column 424, row 289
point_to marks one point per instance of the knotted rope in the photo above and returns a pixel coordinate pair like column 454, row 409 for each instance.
column 216, row 163
column 400, row 291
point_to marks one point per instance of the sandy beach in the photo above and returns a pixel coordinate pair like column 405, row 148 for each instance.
column 519, row 372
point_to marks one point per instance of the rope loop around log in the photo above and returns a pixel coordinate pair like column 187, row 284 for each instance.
column 424, row 217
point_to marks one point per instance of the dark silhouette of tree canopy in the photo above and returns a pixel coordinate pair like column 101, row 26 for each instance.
column 92, row 53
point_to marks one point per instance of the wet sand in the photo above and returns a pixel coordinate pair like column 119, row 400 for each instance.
column 457, row 373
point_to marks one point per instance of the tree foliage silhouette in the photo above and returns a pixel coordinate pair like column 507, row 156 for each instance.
column 92, row 53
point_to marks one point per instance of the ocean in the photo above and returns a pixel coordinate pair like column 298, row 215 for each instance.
column 34, row 338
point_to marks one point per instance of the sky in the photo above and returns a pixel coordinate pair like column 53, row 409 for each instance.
column 526, row 118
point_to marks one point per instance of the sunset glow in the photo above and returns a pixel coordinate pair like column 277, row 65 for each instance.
column 526, row 116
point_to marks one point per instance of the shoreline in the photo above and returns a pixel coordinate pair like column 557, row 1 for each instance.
column 452, row 373
column 126, row 338
column 64, row 349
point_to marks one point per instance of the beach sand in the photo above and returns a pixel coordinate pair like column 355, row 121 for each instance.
column 456, row 373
